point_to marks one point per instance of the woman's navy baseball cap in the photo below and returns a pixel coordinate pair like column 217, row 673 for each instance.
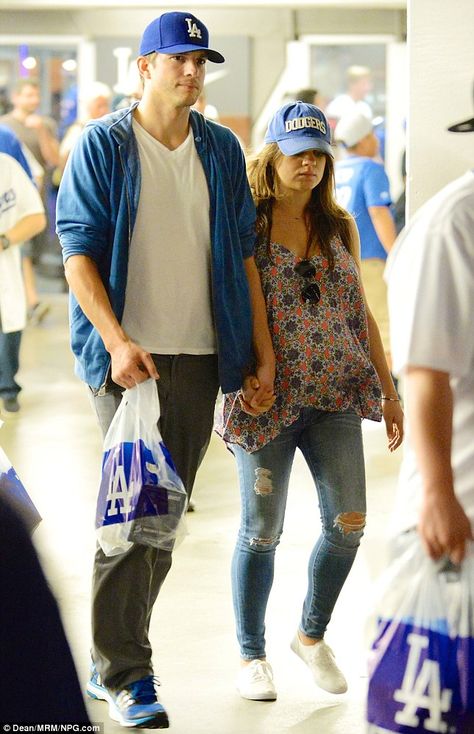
column 177, row 33
column 297, row 127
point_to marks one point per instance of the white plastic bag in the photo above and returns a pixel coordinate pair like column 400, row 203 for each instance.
column 421, row 667
column 141, row 497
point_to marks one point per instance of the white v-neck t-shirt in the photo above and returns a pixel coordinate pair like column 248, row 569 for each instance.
column 168, row 299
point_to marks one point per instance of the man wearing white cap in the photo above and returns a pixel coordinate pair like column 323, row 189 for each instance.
column 362, row 187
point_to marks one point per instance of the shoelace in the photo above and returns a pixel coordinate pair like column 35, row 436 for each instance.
column 142, row 691
column 261, row 672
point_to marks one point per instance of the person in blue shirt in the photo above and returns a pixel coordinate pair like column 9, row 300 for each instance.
column 10, row 145
column 362, row 187
column 156, row 221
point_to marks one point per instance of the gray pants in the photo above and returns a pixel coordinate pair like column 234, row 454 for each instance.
column 125, row 587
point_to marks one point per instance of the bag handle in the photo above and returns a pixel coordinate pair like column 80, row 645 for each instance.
column 144, row 400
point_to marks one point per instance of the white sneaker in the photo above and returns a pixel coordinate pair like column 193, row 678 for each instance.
column 255, row 681
column 320, row 660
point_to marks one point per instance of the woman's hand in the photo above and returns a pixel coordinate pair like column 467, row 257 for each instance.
column 393, row 417
column 248, row 393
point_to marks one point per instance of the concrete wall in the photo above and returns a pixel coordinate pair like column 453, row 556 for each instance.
column 441, row 65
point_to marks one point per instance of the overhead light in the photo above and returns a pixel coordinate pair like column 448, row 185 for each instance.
column 29, row 63
column 69, row 65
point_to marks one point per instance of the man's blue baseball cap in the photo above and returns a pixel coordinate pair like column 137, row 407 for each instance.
column 297, row 127
column 177, row 33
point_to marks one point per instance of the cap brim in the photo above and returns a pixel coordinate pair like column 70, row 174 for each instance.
column 213, row 56
column 295, row 146
column 462, row 127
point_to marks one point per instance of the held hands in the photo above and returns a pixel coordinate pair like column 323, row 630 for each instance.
column 131, row 364
column 444, row 527
column 393, row 417
column 255, row 397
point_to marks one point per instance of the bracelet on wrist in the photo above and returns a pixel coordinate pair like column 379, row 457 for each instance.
column 392, row 400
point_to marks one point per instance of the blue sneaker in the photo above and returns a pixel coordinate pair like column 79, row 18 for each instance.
column 95, row 688
column 136, row 705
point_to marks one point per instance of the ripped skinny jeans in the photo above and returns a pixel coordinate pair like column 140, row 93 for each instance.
column 331, row 444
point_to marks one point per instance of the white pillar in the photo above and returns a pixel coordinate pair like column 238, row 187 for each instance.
column 441, row 77
column 86, row 71
column 396, row 82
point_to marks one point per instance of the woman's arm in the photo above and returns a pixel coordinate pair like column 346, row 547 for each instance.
column 391, row 408
column 259, row 394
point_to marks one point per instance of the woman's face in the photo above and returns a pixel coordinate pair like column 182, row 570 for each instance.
column 301, row 172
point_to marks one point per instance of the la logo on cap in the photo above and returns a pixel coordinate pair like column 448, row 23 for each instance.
column 193, row 29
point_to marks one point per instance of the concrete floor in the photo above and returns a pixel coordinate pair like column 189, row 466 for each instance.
column 55, row 446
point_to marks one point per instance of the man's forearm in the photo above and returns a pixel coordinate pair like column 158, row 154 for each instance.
column 49, row 146
column 26, row 228
column 86, row 284
column 430, row 412
column 383, row 225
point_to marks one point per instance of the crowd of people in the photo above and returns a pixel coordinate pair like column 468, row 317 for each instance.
column 285, row 311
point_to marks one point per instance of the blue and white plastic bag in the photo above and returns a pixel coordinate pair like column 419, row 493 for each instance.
column 13, row 491
column 141, row 497
column 421, row 666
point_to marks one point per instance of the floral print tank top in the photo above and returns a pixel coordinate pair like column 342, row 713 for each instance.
column 321, row 349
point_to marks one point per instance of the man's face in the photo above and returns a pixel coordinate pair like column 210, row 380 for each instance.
column 177, row 79
column 362, row 87
column 27, row 100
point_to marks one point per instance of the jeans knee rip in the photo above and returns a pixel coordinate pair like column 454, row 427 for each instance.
column 262, row 541
column 350, row 522
column 263, row 481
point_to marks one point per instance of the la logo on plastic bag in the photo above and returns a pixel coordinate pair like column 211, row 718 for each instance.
column 416, row 685
column 141, row 497
column 421, row 689
column 127, row 469
column 119, row 495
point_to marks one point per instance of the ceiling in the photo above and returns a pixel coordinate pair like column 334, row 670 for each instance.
column 26, row 5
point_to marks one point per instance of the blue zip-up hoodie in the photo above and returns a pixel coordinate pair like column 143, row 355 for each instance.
column 96, row 211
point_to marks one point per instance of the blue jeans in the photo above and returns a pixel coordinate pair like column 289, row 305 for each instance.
column 9, row 363
column 331, row 444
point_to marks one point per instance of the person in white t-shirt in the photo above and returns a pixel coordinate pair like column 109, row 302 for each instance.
column 359, row 84
column 96, row 103
column 430, row 276
column 21, row 217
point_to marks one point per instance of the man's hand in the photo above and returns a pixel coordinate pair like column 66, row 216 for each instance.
column 254, row 398
column 443, row 526
column 131, row 364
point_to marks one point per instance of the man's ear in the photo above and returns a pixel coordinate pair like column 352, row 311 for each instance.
column 143, row 64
